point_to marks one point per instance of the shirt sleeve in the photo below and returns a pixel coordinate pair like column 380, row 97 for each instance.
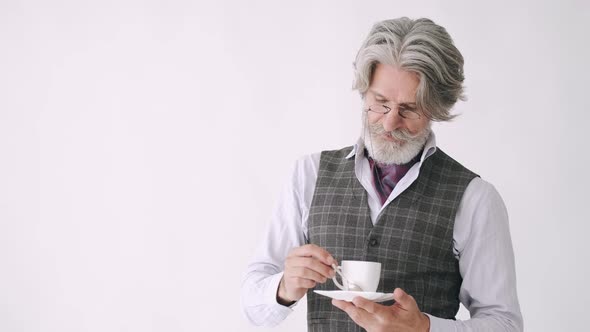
column 286, row 230
column 486, row 263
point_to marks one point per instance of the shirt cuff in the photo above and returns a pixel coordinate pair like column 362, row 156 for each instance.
column 438, row 324
column 268, row 312
column 271, row 294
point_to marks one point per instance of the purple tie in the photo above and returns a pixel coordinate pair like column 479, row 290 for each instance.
column 385, row 177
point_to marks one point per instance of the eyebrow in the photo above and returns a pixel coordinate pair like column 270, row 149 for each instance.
column 404, row 103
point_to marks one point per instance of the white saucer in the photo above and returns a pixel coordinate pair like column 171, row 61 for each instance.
column 349, row 295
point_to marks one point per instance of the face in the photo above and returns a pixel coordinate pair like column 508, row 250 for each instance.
column 390, row 138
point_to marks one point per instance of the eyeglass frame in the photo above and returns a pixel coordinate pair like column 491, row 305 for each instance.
column 400, row 111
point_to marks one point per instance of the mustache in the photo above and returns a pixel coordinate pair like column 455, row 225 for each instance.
column 399, row 134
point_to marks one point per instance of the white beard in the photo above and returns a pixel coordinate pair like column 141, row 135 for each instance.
column 388, row 152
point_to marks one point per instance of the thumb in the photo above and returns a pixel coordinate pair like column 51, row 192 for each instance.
column 405, row 300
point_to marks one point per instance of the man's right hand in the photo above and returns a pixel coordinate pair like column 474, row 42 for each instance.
column 305, row 266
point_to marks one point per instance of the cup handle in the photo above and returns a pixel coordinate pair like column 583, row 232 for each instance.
column 338, row 271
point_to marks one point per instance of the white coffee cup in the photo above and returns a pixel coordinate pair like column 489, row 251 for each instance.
column 363, row 274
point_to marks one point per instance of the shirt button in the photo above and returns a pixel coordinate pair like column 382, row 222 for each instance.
column 373, row 242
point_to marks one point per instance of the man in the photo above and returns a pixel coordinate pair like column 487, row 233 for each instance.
column 439, row 230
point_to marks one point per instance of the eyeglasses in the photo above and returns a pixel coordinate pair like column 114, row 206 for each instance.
column 406, row 113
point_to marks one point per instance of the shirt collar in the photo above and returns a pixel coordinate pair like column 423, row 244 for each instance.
column 429, row 148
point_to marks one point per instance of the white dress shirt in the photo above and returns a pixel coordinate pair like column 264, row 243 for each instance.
column 481, row 244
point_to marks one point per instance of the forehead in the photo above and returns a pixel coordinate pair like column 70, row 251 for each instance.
column 394, row 83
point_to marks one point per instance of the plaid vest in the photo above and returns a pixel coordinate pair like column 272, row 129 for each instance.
column 412, row 238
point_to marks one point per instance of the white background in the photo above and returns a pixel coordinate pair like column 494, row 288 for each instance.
column 142, row 146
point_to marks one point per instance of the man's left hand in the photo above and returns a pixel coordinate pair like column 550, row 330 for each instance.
column 403, row 315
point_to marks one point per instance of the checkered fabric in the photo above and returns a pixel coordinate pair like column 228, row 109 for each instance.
column 413, row 236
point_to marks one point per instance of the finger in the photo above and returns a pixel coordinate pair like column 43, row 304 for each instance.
column 367, row 305
column 312, row 250
column 341, row 304
column 358, row 315
column 302, row 282
column 303, row 272
column 312, row 264
column 405, row 300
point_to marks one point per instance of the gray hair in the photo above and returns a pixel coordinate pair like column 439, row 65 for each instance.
column 420, row 46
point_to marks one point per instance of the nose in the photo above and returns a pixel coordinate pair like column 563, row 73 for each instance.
column 392, row 121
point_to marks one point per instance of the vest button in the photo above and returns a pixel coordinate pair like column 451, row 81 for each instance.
column 373, row 242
